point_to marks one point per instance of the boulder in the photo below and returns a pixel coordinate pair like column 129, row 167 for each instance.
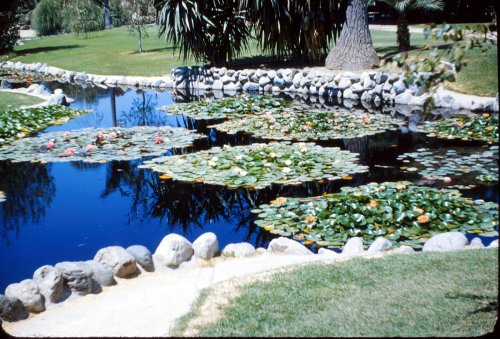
column 119, row 260
column 77, row 276
column 493, row 244
column 57, row 99
column 381, row 77
column 242, row 249
column 5, row 84
column 206, row 246
column 344, row 82
column 217, row 85
column 287, row 246
column 399, row 87
column 476, row 243
column 263, row 81
column 357, row 88
column 28, row 293
column 328, row 253
column 448, row 241
column 250, row 87
column 353, row 246
column 102, row 274
column 404, row 249
column 174, row 249
column 50, row 283
column 12, row 309
column 142, row 256
column 380, row 244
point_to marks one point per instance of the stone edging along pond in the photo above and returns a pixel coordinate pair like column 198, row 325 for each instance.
column 52, row 285
column 374, row 87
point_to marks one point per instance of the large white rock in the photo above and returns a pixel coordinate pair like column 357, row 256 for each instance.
column 287, row 246
column 448, row 241
column 174, row 249
column 328, row 253
column 344, row 82
column 476, row 243
column 118, row 259
column 380, row 244
column 353, row 246
column 50, row 283
column 77, row 276
column 101, row 274
column 142, row 256
column 404, row 249
column 206, row 246
column 242, row 249
column 250, row 86
column 27, row 291
column 493, row 244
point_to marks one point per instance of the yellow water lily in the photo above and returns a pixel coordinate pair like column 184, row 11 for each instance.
column 269, row 227
column 310, row 218
column 372, row 203
column 278, row 200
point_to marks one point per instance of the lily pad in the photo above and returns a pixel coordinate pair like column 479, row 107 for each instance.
column 307, row 126
column 99, row 144
column 259, row 165
column 400, row 211
column 475, row 127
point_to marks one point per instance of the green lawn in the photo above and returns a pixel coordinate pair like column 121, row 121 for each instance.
column 425, row 294
column 10, row 101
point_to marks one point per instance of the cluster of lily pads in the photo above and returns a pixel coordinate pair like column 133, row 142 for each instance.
column 474, row 127
column 400, row 211
column 229, row 107
column 259, row 165
column 438, row 163
column 305, row 126
column 18, row 123
column 99, row 144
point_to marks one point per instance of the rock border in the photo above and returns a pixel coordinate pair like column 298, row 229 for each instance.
column 376, row 87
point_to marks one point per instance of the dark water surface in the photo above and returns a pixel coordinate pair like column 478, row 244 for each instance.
column 67, row 211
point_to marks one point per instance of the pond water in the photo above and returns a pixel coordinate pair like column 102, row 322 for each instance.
column 67, row 211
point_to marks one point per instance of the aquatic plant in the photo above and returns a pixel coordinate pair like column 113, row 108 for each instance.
column 400, row 211
column 483, row 127
column 18, row 123
column 307, row 126
column 259, row 165
column 99, row 144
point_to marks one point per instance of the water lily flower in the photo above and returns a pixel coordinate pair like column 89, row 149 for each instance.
column 419, row 210
column 66, row 134
column 400, row 186
column 70, row 151
column 423, row 218
column 372, row 203
column 243, row 173
column 351, row 125
column 272, row 155
column 50, row 145
column 337, row 127
column 489, row 128
column 211, row 163
column 286, row 170
column 112, row 135
column 310, row 218
column 346, row 177
column 329, row 121
column 460, row 123
column 269, row 227
column 288, row 162
column 158, row 140
column 485, row 115
column 101, row 136
column 303, row 149
column 89, row 148
column 239, row 157
column 278, row 200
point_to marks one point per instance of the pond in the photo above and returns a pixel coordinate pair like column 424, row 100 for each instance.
column 66, row 211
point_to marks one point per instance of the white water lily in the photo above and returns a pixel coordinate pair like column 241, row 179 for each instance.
column 288, row 162
column 211, row 163
column 215, row 158
column 286, row 170
column 239, row 157
column 272, row 155
column 243, row 173
column 267, row 164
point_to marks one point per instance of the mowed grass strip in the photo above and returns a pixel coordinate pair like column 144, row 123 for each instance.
column 10, row 101
column 424, row 294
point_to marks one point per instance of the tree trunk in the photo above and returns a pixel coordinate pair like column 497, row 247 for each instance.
column 354, row 49
column 403, row 32
column 140, row 38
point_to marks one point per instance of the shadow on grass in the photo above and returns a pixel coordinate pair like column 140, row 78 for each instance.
column 486, row 302
column 162, row 49
column 44, row 49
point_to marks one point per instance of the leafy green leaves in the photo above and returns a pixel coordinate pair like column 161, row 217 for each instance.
column 400, row 211
column 18, row 123
column 98, row 144
column 259, row 165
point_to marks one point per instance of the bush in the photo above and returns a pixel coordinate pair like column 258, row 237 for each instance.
column 120, row 14
column 47, row 17
column 83, row 17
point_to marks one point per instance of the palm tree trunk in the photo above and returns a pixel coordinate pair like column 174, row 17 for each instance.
column 403, row 32
column 354, row 49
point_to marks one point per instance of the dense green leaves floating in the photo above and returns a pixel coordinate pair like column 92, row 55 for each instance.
column 306, row 126
column 259, row 165
column 437, row 163
column 474, row 127
column 227, row 107
column 99, row 144
column 400, row 211
column 2, row 196
column 18, row 123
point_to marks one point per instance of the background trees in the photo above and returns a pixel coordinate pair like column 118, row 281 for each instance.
column 9, row 30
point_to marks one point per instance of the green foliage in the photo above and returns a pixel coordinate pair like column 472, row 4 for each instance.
column 259, row 165
column 473, row 127
column 120, row 13
column 230, row 107
column 83, row 17
column 399, row 211
column 18, row 123
column 47, row 17
column 9, row 30
column 98, row 144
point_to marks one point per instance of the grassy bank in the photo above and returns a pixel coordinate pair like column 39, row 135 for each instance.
column 429, row 294
column 10, row 101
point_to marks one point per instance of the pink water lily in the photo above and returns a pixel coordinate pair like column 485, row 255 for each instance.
column 50, row 145
column 89, row 148
column 112, row 135
column 101, row 136
column 70, row 151
column 66, row 134
column 158, row 139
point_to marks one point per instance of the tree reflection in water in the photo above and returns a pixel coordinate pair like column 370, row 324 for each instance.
column 29, row 189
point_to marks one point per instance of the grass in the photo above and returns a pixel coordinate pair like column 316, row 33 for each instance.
column 425, row 294
column 10, row 101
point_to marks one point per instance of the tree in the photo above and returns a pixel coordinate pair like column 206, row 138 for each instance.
column 405, row 6
column 140, row 11
column 9, row 30
column 354, row 48
column 108, row 21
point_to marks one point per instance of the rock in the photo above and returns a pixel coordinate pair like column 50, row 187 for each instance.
column 28, row 293
column 404, row 98
column 344, row 82
column 287, row 246
column 279, row 82
column 305, row 82
column 174, row 249
column 476, row 243
column 50, row 283
column 142, row 256
column 380, row 244
column 493, row 244
column 260, row 250
column 327, row 252
column 206, row 246
column 119, row 260
column 57, row 99
column 12, row 309
column 357, row 88
column 399, row 87
column 368, row 84
column 101, row 273
column 227, row 79
column 296, row 79
column 347, row 94
column 77, row 276
column 242, row 249
column 263, row 81
column 448, row 241
column 250, row 87
column 5, row 84
column 353, row 246
column 217, row 85
column 271, row 74
column 366, row 96
column 232, row 87
column 404, row 249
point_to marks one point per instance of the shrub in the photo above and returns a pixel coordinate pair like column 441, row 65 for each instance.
column 83, row 17
column 47, row 17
